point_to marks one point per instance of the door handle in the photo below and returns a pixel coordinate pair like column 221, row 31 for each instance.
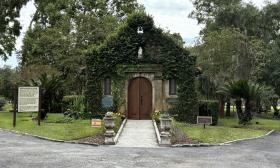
column 141, row 100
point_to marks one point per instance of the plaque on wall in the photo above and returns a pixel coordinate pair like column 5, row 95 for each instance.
column 107, row 101
column 172, row 100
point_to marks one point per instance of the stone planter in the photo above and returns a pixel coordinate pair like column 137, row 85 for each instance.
column 109, row 122
column 165, row 126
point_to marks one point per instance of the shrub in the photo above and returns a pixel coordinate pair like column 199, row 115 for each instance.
column 2, row 103
column 76, row 107
column 209, row 108
column 156, row 116
column 69, row 99
column 118, row 121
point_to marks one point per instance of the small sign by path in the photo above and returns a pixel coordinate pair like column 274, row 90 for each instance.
column 204, row 120
column 96, row 122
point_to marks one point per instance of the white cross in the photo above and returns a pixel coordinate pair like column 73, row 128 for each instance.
column 140, row 30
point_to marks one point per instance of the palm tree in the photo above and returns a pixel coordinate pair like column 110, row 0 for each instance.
column 239, row 90
column 51, row 90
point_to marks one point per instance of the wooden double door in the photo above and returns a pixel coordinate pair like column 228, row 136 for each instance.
column 140, row 97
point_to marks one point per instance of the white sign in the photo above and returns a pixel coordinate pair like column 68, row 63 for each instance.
column 28, row 99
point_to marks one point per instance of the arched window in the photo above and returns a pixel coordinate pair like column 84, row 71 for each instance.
column 172, row 87
column 107, row 86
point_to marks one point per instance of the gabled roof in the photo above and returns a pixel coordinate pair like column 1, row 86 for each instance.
column 122, row 46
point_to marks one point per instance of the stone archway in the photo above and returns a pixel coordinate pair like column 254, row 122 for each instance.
column 140, row 99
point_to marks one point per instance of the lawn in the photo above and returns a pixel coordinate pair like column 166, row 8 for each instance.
column 217, row 134
column 228, row 129
column 256, row 123
column 7, row 107
column 56, row 126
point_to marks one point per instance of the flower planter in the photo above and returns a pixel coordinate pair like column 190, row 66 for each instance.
column 165, row 126
column 109, row 134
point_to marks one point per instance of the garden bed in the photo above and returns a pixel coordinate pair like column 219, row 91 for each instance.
column 98, row 140
column 177, row 135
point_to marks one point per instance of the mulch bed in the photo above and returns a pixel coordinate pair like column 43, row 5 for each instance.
column 99, row 139
column 185, row 141
column 179, row 137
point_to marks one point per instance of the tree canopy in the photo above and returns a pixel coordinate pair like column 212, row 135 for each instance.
column 62, row 30
column 9, row 25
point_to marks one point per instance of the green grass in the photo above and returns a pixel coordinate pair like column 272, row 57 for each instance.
column 53, row 127
column 217, row 134
column 265, row 124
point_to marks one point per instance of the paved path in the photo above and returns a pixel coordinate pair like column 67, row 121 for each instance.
column 18, row 151
column 138, row 133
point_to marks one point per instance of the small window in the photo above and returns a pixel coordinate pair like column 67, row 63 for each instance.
column 107, row 86
column 172, row 87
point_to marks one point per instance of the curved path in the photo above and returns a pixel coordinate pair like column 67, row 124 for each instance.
column 19, row 151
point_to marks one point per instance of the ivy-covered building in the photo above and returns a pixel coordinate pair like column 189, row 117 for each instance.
column 138, row 70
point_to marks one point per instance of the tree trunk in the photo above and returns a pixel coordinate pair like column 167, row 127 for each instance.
column 248, row 115
column 228, row 108
column 274, row 105
column 43, row 114
column 222, row 107
column 238, row 104
column 258, row 106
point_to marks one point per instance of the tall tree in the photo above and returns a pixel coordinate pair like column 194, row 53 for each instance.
column 63, row 30
column 9, row 25
column 271, row 22
column 268, row 71
column 224, row 56
column 8, row 79
column 206, row 10
column 256, row 54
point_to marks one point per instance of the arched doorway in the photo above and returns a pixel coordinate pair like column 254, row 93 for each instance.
column 140, row 99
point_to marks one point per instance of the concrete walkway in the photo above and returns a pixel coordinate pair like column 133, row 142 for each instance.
column 138, row 133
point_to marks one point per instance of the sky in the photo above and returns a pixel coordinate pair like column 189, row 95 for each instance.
column 168, row 14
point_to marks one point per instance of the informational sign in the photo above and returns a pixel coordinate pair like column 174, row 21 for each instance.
column 28, row 99
column 96, row 123
column 207, row 120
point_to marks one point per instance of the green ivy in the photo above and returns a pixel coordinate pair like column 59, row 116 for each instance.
column 121, row 48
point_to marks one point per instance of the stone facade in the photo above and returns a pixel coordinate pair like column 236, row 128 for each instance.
column 160, row 87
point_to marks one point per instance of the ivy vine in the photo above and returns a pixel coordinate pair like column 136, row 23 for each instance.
column 121, row 48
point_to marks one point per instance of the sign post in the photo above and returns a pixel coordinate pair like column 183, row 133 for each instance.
column 29, row 100
column 204, row 120
column 15, row 106
column 39, row 106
